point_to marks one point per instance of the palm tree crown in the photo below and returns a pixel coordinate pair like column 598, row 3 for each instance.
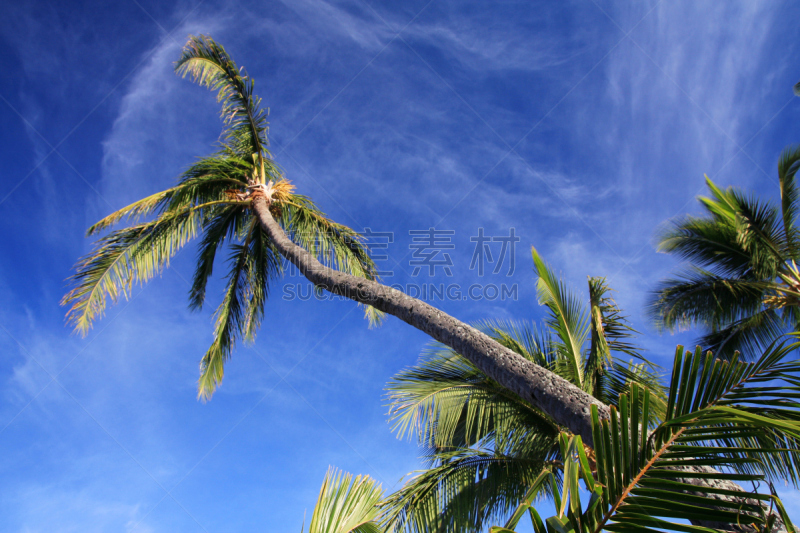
column 211, row 201
column 743, row 283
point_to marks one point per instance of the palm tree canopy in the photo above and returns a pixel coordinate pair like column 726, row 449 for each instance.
column 742, row 284
column 487, row 449
column 209, row 202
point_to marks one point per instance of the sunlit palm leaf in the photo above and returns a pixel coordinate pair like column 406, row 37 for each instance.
column 209, row 65
column 567, row 318
column 346, row 504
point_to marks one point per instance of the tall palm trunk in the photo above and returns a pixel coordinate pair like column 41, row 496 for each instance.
column 568, row 405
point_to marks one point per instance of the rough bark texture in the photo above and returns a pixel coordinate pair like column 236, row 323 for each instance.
column 568, row 405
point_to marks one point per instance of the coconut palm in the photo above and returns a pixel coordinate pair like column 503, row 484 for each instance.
column 346, row 504
column 486, row 449
column 238, row 198
column 743, row 284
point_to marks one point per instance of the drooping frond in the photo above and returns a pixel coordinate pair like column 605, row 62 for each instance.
column 229, row 320
column 334, row 245
column 264, row 265
column 469, row 489
column 346, row 504
column 567, row 318
column 225, row 226
column 254, row 264
column 125, row 257
column 209, row 65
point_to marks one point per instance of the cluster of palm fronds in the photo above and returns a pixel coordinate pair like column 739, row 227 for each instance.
column 724, row 420
column 211, row 201
column 735, row 416
column 743, row 284
column 486, row 448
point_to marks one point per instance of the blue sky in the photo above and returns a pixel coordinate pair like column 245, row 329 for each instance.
column 582, row 125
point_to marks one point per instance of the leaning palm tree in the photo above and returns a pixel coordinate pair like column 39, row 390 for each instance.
column 238, row 198
column 486, row 449
column 743, row 284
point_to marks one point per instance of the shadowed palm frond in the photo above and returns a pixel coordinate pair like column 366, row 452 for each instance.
column 254, row 264
column 469, row 489
column 743, row 284
column 788, row 165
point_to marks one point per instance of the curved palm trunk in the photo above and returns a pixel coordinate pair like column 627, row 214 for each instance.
column 564, row 402
column 568, row 405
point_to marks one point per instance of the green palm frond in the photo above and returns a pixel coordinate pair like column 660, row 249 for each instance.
column 264, row 265
column 128, row 256
column 743, row 284
column 204, row 182
column 334, row 245
column 229, row 320
column 449, row 404
column 698, row 295
column 469, row 489
column 642, row 481
column 620, row 378
column 224, row 227
column 254, row 264
column 209, row 65
column 346, row 504
column 748, row 335
column 567, row 318
column 213, row 199
column 739, row 237
column 610, row 332
column 475, row 434
column 525, row 338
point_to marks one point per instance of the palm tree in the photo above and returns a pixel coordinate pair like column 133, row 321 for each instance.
column 711, row 405
column 239, row 195
column 743, row 283
column 346, row 505
column 486, row 449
